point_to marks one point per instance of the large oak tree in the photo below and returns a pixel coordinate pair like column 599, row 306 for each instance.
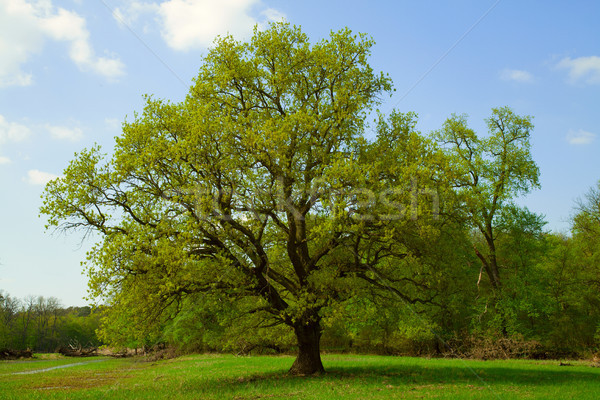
column 259, row 185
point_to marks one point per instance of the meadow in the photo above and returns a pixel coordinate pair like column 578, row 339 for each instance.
column 265, row 377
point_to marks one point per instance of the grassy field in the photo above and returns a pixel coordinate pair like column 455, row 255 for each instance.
column 348, row 377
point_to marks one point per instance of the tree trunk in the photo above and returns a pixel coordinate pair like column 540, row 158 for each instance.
column 308, row 361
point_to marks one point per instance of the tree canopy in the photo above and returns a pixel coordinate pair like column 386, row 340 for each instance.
column 261, row 184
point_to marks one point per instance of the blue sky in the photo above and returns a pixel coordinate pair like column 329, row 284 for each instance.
column 72, row 70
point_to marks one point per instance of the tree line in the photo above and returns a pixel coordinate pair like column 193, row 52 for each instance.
column 266, row 208
column 43, row 324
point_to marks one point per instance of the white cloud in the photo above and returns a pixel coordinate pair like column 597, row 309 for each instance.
column 516, row 76
column 12, row 131
column 580, row 137
column 112, row 124
column 25, row 26
column 18, row 40
column 586, row 69
column 4, row 160
column 193, row 24
column 189, row 24
column 64, row 133
column 273, row 15
column 15, row 132
column 70, row 27
column 132, row 11
column 37, row 177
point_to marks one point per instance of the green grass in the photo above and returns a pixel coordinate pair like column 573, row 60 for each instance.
column 348, row 377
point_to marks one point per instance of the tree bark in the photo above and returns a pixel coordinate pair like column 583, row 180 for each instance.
column 308, row 361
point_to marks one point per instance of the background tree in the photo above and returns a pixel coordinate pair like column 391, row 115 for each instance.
column 259, row 185
column 521, row 244
column 586, row 223
column 9, row 309
column 42, row 325
column 489, row 172
column 586, row 238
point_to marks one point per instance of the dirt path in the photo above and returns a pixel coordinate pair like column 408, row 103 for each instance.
column 37, row 371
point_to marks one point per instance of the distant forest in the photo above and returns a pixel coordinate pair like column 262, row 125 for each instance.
column 43, row 325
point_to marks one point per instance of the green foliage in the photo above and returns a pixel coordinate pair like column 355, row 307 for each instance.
column 586, row 231
column 379, row 325
column 208, row 323
column 573, row 267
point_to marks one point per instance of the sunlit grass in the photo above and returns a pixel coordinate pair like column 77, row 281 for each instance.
column 348, row 377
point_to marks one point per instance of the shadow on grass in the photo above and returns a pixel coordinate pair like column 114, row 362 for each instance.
column 410, row 376
column 468, row 374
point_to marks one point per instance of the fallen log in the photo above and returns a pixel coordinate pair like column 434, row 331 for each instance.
column 75, row 349
column 78, row 352
column 9, row 354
